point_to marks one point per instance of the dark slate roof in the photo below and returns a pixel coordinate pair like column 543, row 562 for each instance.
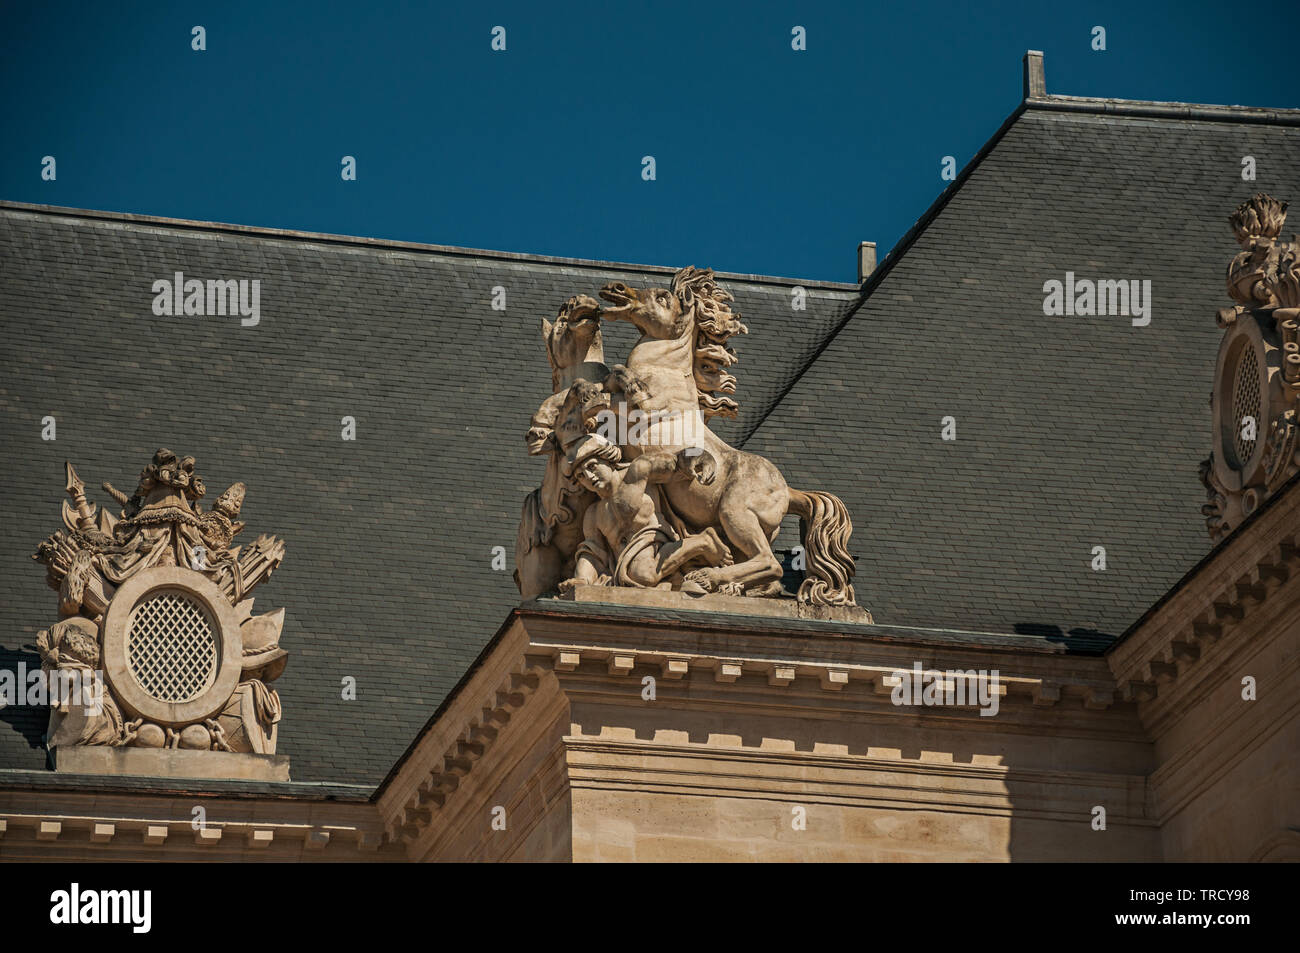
column 387, row 576
column 1073, row 432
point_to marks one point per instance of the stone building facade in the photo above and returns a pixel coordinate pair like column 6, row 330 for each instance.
column 1027, row 508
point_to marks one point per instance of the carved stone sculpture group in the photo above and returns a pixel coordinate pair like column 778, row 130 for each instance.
column 157, row 600
column 638, row 491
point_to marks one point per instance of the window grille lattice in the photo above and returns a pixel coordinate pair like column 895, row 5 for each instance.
column 171, row 648
column 1246, row 402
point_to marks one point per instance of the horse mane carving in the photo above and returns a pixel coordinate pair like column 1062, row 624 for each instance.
column 715, row 323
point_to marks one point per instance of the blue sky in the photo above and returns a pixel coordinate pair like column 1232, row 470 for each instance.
column 768, row 160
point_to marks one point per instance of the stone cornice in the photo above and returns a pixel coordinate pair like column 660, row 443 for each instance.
column 1212, row 612
column 483, row 708
column 44, row 781
column 806, row 679
column 799, row 661
column 128, row 823
column 445, row 773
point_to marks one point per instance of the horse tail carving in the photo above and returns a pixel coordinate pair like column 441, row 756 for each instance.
column 826, row 532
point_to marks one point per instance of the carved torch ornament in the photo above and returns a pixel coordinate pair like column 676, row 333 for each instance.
column 1257, row 379
column 155, row 612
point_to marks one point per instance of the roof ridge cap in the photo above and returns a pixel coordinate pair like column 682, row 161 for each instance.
column 1151, row 108
column 1049, row 102
column 288, row 234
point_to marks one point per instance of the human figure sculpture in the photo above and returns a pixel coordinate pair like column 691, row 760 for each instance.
column 626, row 539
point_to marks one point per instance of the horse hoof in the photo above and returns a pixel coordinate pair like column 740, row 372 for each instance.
column 699, row 580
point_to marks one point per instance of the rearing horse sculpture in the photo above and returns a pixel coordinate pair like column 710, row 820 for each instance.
column 676, row 370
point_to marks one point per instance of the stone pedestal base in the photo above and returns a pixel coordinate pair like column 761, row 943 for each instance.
column 734, row 605
column 170, row 763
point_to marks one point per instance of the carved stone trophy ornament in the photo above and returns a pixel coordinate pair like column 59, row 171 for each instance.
column 1257, row 379
column 638, row 491
column 157, row 601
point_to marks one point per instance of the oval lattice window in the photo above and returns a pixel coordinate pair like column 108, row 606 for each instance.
column 1247, row 401
column 171, row 646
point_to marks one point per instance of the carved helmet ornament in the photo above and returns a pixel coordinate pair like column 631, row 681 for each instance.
column 156, row 602
column 1257, row 377
column 638, row 491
